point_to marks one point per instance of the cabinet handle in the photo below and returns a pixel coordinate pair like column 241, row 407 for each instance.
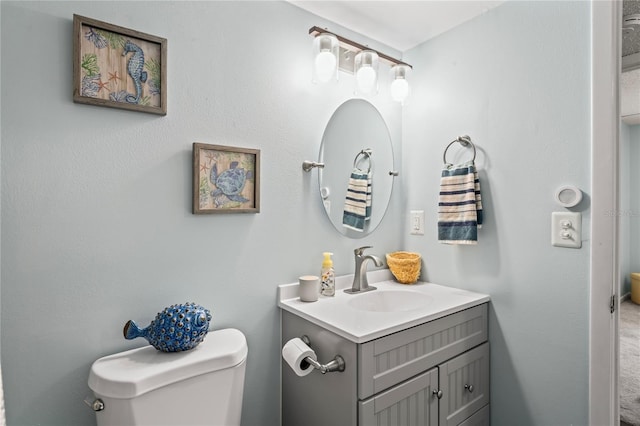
column 437, row 393
column 469, row 388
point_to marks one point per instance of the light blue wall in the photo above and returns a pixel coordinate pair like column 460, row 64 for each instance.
column 632, row 199
column 517, row 81
column 96, row 223
column 96, row 202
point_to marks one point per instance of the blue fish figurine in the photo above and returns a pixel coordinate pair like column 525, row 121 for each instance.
column 177, row 328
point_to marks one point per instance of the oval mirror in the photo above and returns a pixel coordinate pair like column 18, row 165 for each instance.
column 356, row 144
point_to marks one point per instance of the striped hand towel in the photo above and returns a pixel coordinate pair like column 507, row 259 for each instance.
column 357, row 205
column 460, row 205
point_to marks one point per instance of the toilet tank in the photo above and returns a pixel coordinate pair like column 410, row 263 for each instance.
column 202, row 386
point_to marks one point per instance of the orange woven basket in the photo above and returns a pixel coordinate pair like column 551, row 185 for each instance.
column 405, row 266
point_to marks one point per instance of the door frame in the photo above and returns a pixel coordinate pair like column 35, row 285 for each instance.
column 605, row 121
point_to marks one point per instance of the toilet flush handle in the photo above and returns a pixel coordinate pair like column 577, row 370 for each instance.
column 95, row 404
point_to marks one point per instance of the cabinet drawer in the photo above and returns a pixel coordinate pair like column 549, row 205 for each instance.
column 411, row 403
column 464, row 382
column 481, row 418
column 391, row 359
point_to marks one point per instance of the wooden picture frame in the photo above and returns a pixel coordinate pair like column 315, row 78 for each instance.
column 225, row 179
column 118, row 67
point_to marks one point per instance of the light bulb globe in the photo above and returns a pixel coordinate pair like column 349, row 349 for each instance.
column 325, row 66
column 399, row 89
column 366, row 78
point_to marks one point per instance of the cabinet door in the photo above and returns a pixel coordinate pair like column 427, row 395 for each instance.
column 464, row 382
column 411, row 403
column 480, row 418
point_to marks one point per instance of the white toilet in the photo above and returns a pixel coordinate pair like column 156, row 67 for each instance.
column 202, row 386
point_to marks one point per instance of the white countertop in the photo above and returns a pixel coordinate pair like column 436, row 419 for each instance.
column 359, row 326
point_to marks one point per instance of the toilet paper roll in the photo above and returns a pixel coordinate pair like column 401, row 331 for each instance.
column 294, row 352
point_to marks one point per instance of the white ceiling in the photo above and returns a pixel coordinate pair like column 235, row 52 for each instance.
column 398, row 24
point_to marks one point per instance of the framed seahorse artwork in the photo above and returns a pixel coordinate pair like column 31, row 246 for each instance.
column 225, row 179
column 118, row 67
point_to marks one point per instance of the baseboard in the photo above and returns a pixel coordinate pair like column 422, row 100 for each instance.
column 625, row 297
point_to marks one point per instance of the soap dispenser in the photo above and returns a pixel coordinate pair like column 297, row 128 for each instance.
column 328, row 285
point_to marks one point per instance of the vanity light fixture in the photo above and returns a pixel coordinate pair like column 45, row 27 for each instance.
column 357, row 59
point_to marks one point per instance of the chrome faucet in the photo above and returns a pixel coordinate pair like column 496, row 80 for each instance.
column 360, row 282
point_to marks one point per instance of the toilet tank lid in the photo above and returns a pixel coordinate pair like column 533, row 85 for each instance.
column 132, row 373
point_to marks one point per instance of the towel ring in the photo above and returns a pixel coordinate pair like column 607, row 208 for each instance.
column 367, row 153
column 464, row 141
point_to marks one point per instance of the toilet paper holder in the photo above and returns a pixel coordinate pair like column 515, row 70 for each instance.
column 336, row 364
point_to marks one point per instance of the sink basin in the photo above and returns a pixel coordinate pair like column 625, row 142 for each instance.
column 389, row 301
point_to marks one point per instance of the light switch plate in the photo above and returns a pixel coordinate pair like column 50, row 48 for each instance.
column 566, row 229
column 416, row 222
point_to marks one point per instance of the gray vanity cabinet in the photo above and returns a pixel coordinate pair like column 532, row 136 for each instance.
column 436, row 373
column 447, row 395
